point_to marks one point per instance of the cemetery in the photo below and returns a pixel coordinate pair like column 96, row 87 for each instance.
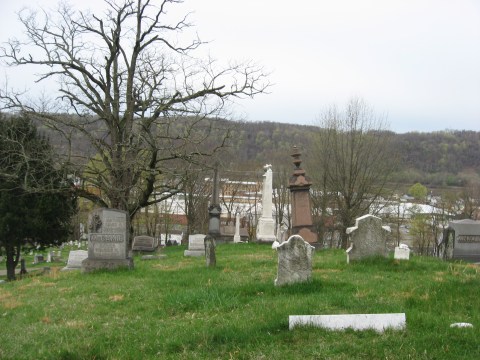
column 178, row 308
column 254, row 299
column 138, row 222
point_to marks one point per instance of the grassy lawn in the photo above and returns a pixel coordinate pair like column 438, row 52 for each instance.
column 177, row 308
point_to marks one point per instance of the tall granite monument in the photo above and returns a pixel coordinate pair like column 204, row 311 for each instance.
column 266, row 224
column 299, row 185
column 107, row 240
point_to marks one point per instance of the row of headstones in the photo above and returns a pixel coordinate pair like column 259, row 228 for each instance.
column 368, row 238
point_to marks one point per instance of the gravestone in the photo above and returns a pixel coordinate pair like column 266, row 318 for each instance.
column 237, row 238
column 299, row 185
column 75, row 258
column 38, row 258
column 377, row 322
column 144, row 243
column 466, row 241
column 196, row 245
column 210, row 251
column 266, row 224
column 367, row 238
column 402, row 252
column 107, row 240
column 294, row 261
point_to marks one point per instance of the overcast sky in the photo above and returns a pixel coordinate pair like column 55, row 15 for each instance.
column 415, row 61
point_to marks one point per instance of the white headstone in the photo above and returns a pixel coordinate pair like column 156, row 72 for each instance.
column 294, row 261
column 401, row 253
column 196, row 245
column 266, row 224
column 236, row 237
column 378, row 322
column 461, row 325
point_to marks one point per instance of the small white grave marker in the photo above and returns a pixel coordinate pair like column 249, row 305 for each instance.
column 461, row 325
column 377, row 322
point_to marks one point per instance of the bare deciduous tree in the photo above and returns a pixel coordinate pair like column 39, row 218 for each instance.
column 128, row 79
column 355, row 161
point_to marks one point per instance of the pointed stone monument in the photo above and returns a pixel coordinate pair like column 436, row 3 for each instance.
column 214, row 212
column 266, row 224
column 299, row 185
column 236, row 237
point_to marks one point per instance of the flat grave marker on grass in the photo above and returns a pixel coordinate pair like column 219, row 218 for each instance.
column 377, row 322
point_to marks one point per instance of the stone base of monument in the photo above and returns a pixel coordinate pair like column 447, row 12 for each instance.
column 194, row 252
column 89, row 265
column 307, row 233
column 266, row 230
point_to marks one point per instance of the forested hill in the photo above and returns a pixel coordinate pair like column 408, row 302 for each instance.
column 436, row 158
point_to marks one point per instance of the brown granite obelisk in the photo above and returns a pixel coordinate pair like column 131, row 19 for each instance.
column 299, row 185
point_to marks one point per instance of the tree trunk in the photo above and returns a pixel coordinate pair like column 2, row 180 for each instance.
column 12, row 261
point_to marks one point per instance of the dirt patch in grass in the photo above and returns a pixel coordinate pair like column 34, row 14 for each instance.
column 174, row 267
column 257, row 257
column 402, row 295
column 118, row 297
column 9, row 302
column 75, row 324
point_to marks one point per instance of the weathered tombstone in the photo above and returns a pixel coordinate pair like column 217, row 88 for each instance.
column 196, row 245
column 266, row 224
column 144, row 243
column 299, row 185
column 294, row 261
column 107, row 240
column 75, row 258
column 210, row 251
column 38, row 258
column 466, row 241
column 367, row 238
column 402, row 252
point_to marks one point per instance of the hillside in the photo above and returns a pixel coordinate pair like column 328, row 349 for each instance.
column 446, row 158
